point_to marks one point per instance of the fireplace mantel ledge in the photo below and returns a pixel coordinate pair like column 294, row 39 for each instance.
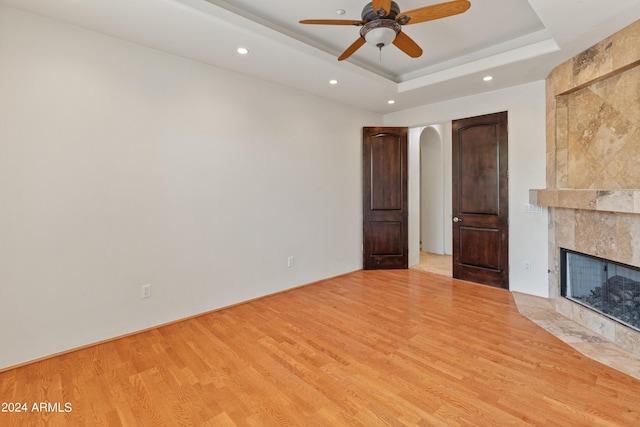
column 623, row 201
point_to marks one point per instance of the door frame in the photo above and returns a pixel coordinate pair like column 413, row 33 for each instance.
column 415, row 190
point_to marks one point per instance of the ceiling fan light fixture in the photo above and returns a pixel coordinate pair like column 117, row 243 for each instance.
column 381, row 32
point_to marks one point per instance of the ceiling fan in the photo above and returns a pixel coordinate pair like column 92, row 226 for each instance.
column 382, row 24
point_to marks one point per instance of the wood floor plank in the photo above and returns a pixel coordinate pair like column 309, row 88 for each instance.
column 397, row 348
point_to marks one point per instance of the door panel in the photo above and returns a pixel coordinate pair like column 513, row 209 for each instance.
column 471, row 238
column 480, row 200
column 388, row 238
column 386, row 172
column 479, row 168
column 385, row 198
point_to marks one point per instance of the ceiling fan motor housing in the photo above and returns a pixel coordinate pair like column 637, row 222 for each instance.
column 368, row 14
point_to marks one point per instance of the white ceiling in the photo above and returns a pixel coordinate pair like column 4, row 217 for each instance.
column 515, row 41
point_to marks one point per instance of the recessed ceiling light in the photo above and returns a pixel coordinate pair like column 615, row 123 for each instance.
column 242, row 50
column 333, row 82
column 391, row 101
column 487, row 78
column 340, row 12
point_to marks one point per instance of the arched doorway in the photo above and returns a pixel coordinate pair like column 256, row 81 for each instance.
column 431, row 191
column 430, row 199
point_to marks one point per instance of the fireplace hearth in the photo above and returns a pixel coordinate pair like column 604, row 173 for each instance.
column 605, row 286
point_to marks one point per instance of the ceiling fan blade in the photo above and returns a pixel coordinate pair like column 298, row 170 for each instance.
column 351, row 49
column 407, row 45
column 381, row 4
column 332, row 22
column 436, row 11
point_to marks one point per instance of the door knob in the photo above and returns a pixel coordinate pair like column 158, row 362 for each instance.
column 456, row 219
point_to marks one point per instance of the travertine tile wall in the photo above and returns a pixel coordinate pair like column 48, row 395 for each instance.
column 593, row 143
column 603, row 130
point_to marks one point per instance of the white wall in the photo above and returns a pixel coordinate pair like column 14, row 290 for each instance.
column 526, row 108
column 121, row 166
column 414, row 195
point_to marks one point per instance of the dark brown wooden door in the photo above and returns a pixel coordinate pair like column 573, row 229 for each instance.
column 480, row 200
column 385, row 198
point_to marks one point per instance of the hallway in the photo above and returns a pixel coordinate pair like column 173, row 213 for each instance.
column 435, row 263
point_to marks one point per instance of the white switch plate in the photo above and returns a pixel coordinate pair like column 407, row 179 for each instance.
column 146, row 291
column 528, row 207
column 290, row 261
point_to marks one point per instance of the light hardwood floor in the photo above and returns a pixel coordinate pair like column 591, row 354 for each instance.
column 541, row 311
column 435, row 263
column 366, row 349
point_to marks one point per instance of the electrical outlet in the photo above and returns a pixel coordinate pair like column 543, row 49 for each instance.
column 527, row 266
column 290, row 261
column 146, row 291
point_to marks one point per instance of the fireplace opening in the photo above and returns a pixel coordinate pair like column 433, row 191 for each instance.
column 608, row 287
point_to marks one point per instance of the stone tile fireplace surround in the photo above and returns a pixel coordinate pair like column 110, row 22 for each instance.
column 593, row 167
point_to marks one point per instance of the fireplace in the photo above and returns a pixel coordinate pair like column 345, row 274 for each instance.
column 608, row 287
column 592, row 194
